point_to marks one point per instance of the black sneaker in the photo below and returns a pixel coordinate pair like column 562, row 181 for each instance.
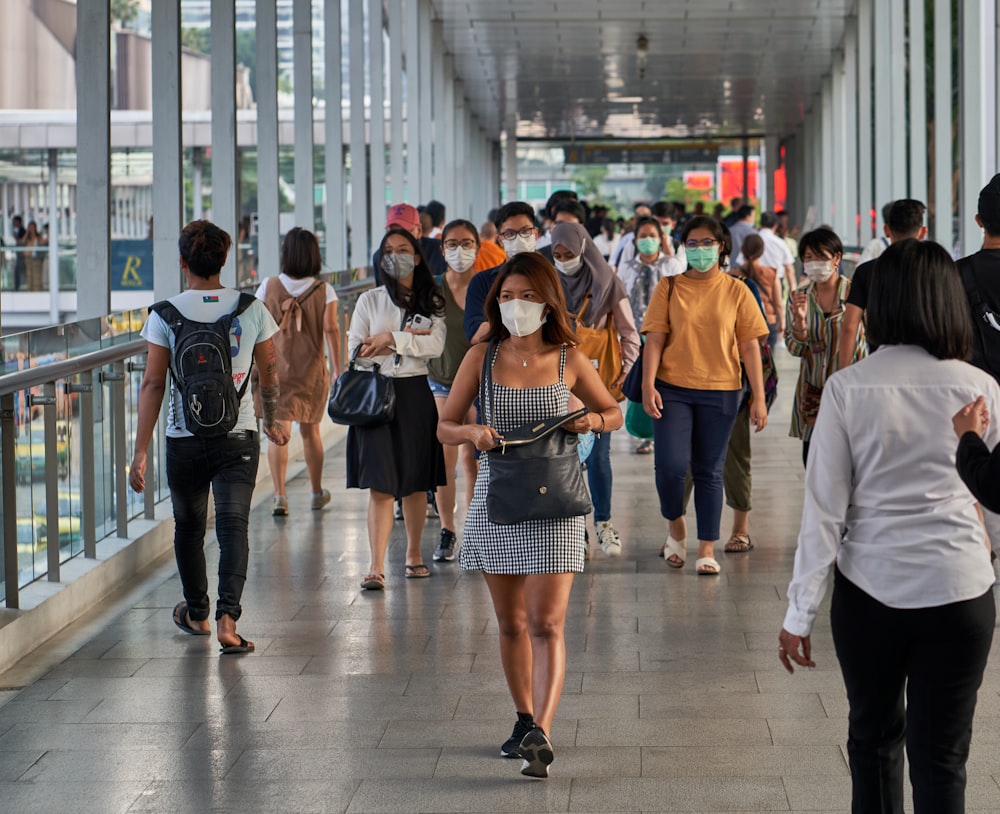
column 446, row 548
column 512, row 746
column 536, row 749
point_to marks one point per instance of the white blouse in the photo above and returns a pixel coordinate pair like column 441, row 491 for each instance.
column 375, row 313
column 883, row 498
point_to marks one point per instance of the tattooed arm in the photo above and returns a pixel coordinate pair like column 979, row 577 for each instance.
column 267, row 367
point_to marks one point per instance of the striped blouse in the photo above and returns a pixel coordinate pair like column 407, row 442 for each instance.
column 818, row 352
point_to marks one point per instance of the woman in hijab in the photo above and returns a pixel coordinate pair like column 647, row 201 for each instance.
column 598, row 299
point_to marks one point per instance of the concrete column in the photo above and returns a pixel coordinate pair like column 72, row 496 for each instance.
column 305, row 208
column 336, row 209
column 427, row 98
column 459, row 205
column 885, row 142
column 866, row 178
column 838, row 143
column 444, row 169
column 827, row 151
column 414, row 108
column 376, row 127
column 772, row 160
column 269, row 230
column 977, row 101
column 942, row 207
column 439, row 96
column 897, row 34
column 225, row 181
column 918, row 100
column 54, row 219
column 849, row 111
column 397, row 175
column 93, row 127
column 359, row 160
column 510, row 158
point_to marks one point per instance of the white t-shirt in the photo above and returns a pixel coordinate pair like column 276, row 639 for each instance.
column 296, row 286
column 254, row 325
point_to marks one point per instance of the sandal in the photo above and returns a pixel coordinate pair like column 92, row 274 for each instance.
column 373, row 582
column 673, row 552
column 707, row 567
column 739, row 543
column 418, row 571
column 181, row 619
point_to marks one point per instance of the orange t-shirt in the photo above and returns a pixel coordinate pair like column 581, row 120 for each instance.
column 490, row 256
column 707, row 320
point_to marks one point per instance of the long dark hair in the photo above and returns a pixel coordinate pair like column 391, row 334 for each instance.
column 545, row 280
column 718, row 230
column 916, row 297
column 204, row 247
column 424, row 297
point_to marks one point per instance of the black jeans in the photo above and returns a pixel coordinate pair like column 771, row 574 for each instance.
column 938, row 656
column 229, row 465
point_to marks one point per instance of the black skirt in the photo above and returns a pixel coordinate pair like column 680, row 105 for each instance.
column 403, row 456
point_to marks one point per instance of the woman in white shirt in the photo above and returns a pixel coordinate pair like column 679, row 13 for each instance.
column 885, row 509
column 402, row 458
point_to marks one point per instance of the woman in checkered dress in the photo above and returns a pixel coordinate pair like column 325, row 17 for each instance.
column 528, row 566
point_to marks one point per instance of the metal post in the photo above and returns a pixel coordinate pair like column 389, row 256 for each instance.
column 376, row 126
column 269, row 229
column 52, row 548
column 885, row 191
column 745, row 181
column 849, row 111
column 414, row 108
column 444, row 161
column 93, row 127
column 897, row 109
column 918, row 101
column 335, row 225
column 359, row 160
column 54, row 236
column 511, row 161
column 942, row 206
column 866, row 193
column 397, row 185
column 426, row 100
column 305, row 207
column 827, row 150
column 197, row 183
column 8, row 459
column 88, row 516
column 225, row 182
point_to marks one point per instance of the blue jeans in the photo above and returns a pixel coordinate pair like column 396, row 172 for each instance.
column 599, row 476
column 693, row 433
column 229, row 465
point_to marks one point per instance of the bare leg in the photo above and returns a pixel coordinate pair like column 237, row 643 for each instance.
column 546, row 599
column 312, row 449
column 414, row 517
column 379, row 528
column 741, row 522
column 507, row 592
column 446, row 493
column 227, row 635
column 277, row 460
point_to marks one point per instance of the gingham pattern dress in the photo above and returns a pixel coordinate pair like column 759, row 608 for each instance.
column 534, row 546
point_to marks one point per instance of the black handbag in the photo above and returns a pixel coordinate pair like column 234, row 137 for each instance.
column 362, row 397
column 535, row 471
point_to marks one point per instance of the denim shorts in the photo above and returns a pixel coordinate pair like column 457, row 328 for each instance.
column 439, row 390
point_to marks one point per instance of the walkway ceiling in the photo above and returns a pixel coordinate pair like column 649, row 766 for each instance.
column 570, row 69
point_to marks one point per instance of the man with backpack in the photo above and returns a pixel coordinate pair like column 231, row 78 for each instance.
column 208, row 337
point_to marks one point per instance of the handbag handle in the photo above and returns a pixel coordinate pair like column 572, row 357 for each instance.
column 486, row 379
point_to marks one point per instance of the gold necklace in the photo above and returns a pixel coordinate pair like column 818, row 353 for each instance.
column 524, row 360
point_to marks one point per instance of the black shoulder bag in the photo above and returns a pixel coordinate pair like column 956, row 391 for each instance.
column 535, row 472
column 363, row 397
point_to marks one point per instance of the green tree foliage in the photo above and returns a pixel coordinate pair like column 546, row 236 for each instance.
column 124, row 11
column 589, row 180
column 196, row 39
column 677, row 190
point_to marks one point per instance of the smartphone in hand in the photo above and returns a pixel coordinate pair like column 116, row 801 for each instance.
column 419, row 322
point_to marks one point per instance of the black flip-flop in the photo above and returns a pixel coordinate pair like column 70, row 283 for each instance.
column 418, row 571
column 235, row 649
column 180, row 619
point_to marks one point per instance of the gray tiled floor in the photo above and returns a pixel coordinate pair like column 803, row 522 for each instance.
column 674, row 698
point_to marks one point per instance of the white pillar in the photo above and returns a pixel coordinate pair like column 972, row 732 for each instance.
column 168, row 189
column 197, row 183
column 866, row 179
column 445, row 167
column 397, row 177
column 837, row 161
column 53, row 254
column 359, row 160
column 849, row 111
column 897, row 108
column 268, row 228
column 414, row 109
column 942, row 206
column 376, row 128
column 439, row 95
column 918, row 100
column 978, row 109
column 428, row 97
column 827, row 148
column 459, row 204
column 885, row 144
column 225, row 183
column 305, row 207
column 511, row 162
column 336, row 214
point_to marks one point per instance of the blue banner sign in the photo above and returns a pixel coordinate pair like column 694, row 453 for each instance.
column 131, row 265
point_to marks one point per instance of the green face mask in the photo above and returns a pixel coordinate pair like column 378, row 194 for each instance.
column 703, row 258
column 648, row 245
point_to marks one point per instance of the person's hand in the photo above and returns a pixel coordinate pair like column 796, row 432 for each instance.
column 652, row 402
column 278, row 432
column 377, row 345
column 794, row 648
column 137, row 471
column 584, row 424
column 973, row 417
column 617, row 383
column 411, row 330
column 800, row 306
column 758, row 414
column 482, row 438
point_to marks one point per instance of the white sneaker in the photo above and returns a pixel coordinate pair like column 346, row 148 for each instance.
column 609, row 539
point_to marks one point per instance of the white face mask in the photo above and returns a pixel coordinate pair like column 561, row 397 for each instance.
column 570, row 267
column 518, row 245
column 459, row 259
column 819, row 271
column 522, row 317
column 398, row 266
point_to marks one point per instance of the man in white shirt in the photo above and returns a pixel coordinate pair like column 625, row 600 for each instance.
column 879, row 244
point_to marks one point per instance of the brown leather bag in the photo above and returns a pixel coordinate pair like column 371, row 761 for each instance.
column 603, row 347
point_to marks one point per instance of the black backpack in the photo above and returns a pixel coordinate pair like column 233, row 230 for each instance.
column 202, row 368
column 986, row 353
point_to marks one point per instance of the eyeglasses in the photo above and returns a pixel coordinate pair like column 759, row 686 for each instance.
column 468, row 243
column 510, row 234
column 694, row 244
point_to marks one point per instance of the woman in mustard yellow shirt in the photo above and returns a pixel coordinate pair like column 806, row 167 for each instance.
column 697, row 326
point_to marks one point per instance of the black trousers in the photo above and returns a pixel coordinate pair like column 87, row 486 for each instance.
column 937, row 655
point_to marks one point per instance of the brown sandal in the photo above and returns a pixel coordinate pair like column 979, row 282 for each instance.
column 739, row 543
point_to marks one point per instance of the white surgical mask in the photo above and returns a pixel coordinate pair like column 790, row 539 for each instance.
column 570, row 267
column 459, row 259
column 819, row 271
column 398, row 266
column 522, row 317
column 518, row 245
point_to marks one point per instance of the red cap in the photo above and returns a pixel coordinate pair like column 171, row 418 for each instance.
column 404, row 216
